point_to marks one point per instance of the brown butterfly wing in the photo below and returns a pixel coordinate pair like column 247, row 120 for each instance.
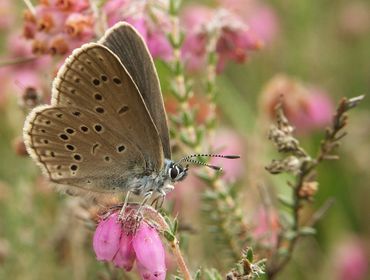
column 96, row 108
column 129, row 46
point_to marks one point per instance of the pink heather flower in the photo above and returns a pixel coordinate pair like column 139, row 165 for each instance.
column 125, row 256
column 6, row 16
column 194, row 51
column 112, row 243
column 49, row 20
column 233, row 45
column 69, row 5
column 260, row 17
column 159, row 46
column 150, row 18
column 59, row 26
column 79, row 26
column 319, row 111
column 264, row 24
column 113, row 10
column 228, row 142
column 107, row 237
column 233, row 42
column 351, row 260
column 267, row 227
column 19, row 47
column 28, row 79
column 150, row 253
column 308, row 108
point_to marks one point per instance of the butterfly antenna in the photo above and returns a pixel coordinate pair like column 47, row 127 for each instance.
column 214, row 167
column 189, row 159
column 208, row 155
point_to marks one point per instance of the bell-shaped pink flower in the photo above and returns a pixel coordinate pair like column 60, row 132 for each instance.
column 106, row 241
column 150, row 253
column 112, row 243
column 125, row 256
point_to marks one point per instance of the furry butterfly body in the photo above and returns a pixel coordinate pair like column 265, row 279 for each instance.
column 106, row 128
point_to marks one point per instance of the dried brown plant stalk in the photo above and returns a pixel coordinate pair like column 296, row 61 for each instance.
column 303, row 167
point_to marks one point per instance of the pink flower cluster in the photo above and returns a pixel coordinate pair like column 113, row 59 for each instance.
column 113, row 243
column 307, row 107
column 150, row 18
column 58, row 26
column 260, row 17
column 232, row 36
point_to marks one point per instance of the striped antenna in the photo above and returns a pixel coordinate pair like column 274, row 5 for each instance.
column 217, row 168
column 208, row 155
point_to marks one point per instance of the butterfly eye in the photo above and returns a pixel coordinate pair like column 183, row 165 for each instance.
column 174, row 171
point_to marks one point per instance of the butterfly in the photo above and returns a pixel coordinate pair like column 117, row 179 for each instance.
column 105, row 130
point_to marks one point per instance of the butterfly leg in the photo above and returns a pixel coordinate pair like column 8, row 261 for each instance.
column 147, row 196
column 133, row 219
column 159, row 200
column 123, row 209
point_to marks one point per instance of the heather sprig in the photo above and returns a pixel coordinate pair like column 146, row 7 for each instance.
column 302, row 166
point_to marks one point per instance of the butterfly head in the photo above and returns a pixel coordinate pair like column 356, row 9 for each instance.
column 176, row 172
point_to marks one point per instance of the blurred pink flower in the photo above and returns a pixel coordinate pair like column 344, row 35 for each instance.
column 69, row 5
column 319, row 111
column 159, row 46
column 113, row 10
column 228, row 142
column 194, row 51
column 49, row 20
column 6, row 16
column 267, row 227
column 350, row 260
column 260, row 17
column 234, row 45
column 307, row 107
column 59, row 26
column 233, row 39
column 264, row 23
column 18, row 47
column 111, row 242
column 149, row 18
column 80, row 26
column 154, row 35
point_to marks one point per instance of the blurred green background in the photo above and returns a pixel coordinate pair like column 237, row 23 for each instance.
column 316, row 44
